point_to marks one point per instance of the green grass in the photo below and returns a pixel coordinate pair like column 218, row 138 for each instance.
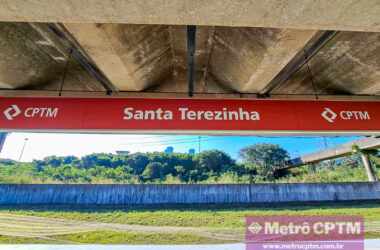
column 210, row 218
column 199, row 217
column 23, row 240
column 372, row 235
column 112, row 237
column 338, row 174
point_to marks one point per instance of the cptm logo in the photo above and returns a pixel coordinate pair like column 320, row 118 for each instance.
column 43, row 112
column 331, row 116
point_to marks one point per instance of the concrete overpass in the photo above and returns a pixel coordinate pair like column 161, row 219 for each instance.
column 362, row 147
column 301, row 49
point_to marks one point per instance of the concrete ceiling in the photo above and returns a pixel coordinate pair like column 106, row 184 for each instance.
column 275, row 55
column 351, row 15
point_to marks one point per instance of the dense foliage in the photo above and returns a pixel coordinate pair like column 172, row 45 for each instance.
column 259, row 164
column 262, row 161
column 128, row 168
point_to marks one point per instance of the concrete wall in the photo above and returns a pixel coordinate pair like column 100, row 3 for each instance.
column 185, row 194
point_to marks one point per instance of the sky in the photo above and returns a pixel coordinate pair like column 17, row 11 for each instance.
column 40, row 145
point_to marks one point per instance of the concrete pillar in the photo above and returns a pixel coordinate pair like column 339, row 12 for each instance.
column 372, row 176
column 313, row 167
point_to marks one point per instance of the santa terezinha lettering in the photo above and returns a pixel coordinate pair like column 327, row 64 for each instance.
column 185, row 113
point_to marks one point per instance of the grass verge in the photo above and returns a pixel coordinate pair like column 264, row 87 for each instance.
column 209, row 218
column 114, row 237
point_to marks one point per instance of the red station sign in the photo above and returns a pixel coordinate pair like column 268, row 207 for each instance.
column 187, row 115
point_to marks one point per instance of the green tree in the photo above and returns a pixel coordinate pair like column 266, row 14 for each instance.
column 72, row 160
column 182, row 173
column 152, row 171
column 251, row 170
column 53, row 161
column 138, row 162
column 264, row 159
column 213, row 162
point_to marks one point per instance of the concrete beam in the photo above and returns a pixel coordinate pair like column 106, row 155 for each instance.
column 27, row 57
column 359, row 15
column 158, row 93
column 299, row 61
column 247, row 59
column 346, row 64
column 132, row 57
column 203, row 82
column 32, row 57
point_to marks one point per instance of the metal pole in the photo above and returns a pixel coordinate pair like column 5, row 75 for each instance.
column 329, row 162
column 199, row 144
column 23, row 148
column 3, row 136
column 191, row 38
